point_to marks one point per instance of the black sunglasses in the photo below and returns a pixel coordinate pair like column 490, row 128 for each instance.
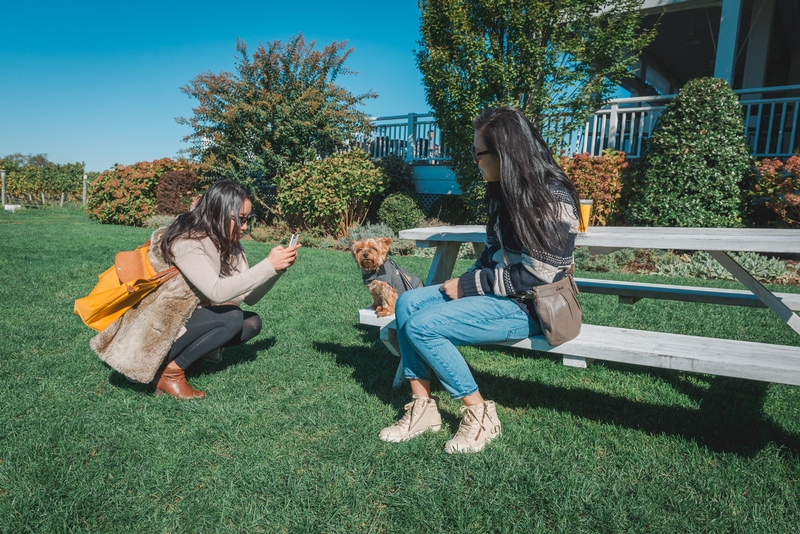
column 248, row 220
column 476, row 155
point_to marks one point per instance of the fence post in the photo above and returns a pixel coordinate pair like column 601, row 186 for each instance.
column 84, row 189
column 411, row 137
column 612, row 129
column 3, row 175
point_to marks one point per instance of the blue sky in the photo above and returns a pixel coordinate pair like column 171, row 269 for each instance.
column 99, row 83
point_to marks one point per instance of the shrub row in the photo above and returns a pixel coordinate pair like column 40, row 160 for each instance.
column 127, row 194
column 46, row 178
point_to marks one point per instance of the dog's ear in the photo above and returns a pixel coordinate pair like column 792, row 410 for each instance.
column 386, row 242
column 354, row 247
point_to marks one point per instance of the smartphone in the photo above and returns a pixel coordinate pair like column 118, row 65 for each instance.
column 294, row 239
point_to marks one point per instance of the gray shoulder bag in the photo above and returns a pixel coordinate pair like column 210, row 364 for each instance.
column 558, row 310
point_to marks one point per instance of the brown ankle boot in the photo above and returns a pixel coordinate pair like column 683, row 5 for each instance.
column 173, row 382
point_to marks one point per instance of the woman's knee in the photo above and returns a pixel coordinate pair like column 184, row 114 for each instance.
column 403, row 306
column 233, row 320
column 251, row 326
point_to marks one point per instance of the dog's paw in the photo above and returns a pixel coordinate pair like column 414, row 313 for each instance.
column 384, row 311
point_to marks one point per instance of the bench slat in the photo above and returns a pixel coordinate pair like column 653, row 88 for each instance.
column 709, row 295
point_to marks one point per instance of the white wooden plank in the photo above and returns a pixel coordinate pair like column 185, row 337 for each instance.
column 742, row 359
column 724, row 357
column 460, row 233
column 709, row 295
column 443, row 262
column 726, row 239
column 369, row 317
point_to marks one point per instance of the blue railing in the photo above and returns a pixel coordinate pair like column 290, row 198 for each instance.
column 770, row 116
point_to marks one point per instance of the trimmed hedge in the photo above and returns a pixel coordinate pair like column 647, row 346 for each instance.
column 694, row 164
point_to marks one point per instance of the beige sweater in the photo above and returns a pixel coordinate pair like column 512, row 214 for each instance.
column 199, row 261
column 137, row 343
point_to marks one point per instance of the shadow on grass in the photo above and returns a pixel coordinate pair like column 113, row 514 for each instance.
column 374, row 368
column 231, row 356
column 730, row 418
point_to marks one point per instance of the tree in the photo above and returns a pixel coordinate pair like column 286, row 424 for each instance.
column 556, row 60
column 696, row 160
column 280, row 108
column 31, row 160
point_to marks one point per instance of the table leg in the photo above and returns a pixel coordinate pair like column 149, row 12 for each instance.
column 766, row 296
column 444, row 260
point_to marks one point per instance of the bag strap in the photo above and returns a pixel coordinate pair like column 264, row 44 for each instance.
column 406, row 281
column 163, row 276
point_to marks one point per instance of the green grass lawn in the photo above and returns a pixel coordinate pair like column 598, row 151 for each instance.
column 286, row 440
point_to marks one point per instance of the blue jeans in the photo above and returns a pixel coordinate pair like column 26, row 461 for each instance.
column 430, row 325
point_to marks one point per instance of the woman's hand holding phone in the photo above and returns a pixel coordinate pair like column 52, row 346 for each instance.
column 283, row 258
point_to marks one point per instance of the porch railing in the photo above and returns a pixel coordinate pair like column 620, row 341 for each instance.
column 413, row 137
column 770, row 116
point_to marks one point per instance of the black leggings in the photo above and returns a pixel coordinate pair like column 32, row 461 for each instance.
column 211, row 328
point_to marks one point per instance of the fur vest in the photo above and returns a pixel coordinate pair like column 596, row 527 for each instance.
column 137, row 343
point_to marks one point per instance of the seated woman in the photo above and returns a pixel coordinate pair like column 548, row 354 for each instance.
column 532, row 223
column 197, row 311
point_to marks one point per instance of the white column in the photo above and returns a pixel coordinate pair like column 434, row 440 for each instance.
column 3, row 176
column 726, row 41
column 84, row 189
column 755, row 63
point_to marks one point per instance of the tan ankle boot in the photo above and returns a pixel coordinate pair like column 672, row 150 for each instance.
column 173, row 382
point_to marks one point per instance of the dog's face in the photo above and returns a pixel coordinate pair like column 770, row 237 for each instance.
column 370, row 253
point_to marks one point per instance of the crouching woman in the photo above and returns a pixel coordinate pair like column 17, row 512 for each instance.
column 197, row 311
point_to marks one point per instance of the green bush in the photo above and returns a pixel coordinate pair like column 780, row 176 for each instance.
column 396, row 174
column 175, row 191
column 700, row 264
column 694, row 164
column 330, row 195
column 401, row 211
column 399, row 247
column 450, row 209
column 126, row 194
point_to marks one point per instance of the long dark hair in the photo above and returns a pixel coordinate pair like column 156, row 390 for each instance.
column 211, row 218
column 528, row 174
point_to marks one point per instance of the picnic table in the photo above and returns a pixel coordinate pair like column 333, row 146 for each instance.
column 757, row 361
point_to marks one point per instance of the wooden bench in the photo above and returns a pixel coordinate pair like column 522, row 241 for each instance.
column 724, row 357
column 740, row 359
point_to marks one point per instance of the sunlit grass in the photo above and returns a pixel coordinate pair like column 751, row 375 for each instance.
column 286, row 440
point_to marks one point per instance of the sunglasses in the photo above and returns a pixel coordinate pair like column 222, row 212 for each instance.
column 476, row 155
column 244, row 220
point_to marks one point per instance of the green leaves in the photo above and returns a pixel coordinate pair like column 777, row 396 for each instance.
column 332, row 194
column 280, row 108
column 557, row 60
column 694, row 162
column 35, row 175
column 401, row 211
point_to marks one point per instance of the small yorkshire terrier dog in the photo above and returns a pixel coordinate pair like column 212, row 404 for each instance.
column 384, row 279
